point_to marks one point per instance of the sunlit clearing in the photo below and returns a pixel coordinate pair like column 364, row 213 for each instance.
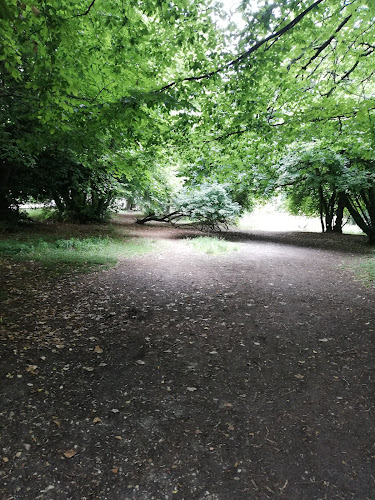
column 272, row 218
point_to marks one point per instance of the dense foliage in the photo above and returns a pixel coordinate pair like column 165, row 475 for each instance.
column 209, row 204
column 132, row 92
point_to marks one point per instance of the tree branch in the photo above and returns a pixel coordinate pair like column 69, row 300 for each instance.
column 88, row 9
column 326, row 43
column 225, row 136
column 346, row 75
column 247, row 53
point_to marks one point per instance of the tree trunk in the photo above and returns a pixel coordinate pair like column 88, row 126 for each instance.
column 337, row 228
column 321, row 206
column 361, row 223
column 371, row 236
column 330, row 212
column 6, row 173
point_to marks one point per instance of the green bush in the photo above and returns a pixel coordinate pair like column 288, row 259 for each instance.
column 209, row 205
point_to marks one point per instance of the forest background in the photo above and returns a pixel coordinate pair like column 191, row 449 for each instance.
column 139, row 100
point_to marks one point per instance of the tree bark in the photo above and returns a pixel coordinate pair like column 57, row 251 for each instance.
column 361, row 223
column 161, row 218
column 337, row 228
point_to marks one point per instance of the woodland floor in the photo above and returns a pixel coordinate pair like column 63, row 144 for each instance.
column 178, row 375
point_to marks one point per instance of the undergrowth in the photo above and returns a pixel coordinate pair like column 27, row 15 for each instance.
column 75, row 253
column 366, row 270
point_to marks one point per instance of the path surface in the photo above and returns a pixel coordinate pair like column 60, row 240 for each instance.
column 183, row 376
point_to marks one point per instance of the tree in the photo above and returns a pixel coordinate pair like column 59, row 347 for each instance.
column 208, row 205
column 80, row 193
column 360, row 196
column 304, row 74
column 311, row 177
column 122, row 78
column 319, row 180
column 90, row 73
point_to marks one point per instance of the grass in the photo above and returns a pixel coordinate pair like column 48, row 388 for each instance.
column 39, row 214
column 76, row 253
column 212, row 245
column 366, row 270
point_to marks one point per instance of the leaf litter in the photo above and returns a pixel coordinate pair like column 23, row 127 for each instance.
column 218, row 393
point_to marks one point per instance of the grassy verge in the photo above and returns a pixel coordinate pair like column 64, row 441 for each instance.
column 212, row 245
column 366, row 270
column 83, row 253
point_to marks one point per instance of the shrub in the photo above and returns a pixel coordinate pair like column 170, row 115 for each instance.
column 209, row 204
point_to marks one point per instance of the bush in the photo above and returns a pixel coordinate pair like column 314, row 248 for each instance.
column 209, row 204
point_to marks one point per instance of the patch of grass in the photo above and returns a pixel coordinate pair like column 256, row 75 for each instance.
column 85, row 253
column 42, row 214
column 212, row 245
column 366, row 270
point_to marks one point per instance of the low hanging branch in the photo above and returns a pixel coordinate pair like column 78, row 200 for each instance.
column 169, row 218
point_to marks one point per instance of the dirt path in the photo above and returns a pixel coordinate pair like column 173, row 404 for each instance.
column 179, row 375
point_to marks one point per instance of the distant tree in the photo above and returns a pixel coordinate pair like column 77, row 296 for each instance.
column 310, row 177
column 318, row 180
column 81, row 193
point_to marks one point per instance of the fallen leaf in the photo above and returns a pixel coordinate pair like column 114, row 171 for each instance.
column 98, row 349
column 70, row 453
column 118, row 437
column 32, row 369
column 228, row 405
column 230, row 428
column 57, row 422
column 96, row 420
column 115, row 470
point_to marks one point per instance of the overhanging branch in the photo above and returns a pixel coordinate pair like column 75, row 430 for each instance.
column 88, row 9
column 326, row 43
column 247, row 53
